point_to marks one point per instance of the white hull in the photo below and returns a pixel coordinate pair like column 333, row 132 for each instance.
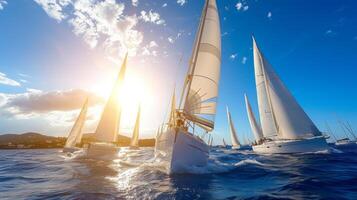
column 236, row 147
column 181, row 150
column 70, row 149
column 292, row 146
column 98, row 150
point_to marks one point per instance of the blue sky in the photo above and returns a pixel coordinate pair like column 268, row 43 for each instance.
column 48, row 58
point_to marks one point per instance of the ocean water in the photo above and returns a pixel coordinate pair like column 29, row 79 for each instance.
column 134, row 174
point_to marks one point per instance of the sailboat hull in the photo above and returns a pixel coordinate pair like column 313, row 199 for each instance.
column 181, row 151
column 70, row 149
column 292, row 146
column 98, row 150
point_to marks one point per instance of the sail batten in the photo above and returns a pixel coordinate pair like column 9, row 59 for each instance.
column 108, row 127
column 234, row 138
column 75, row 135
column 202, row 80
column 291, row 121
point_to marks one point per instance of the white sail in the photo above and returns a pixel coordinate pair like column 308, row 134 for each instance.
column 265, row 113
column 172, row 119
column 75, row 136
column 224, row 143
column 107, row 130
column 290, row 119
column 135, row 138
column 257, row 132
column 204, row 73
column 235, row 141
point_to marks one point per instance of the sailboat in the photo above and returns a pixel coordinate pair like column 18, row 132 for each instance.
column 178, row 144
column 224, row 143
column 235, row 142
column 107, row 129
column 134, row 143
column 75, row 135
column 285, row 126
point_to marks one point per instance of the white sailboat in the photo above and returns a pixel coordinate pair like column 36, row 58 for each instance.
column 134, row 143
column 235, row 142
column 108, row 127
column 178, row 145
column 75, row 135
column 286, row 127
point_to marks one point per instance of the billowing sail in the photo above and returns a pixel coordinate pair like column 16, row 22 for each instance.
column 235, row 141
column 265, row 112
column 135, row 138
column 257, row 131
column 107, row 130
column 75, row 136
column 291, row 120
column 204, row 73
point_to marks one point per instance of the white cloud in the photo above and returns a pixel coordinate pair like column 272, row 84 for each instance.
column 135, row 2
column 233, row 56
column 152, row 17
column 269, row 15
column 164, row 5
column 8, row 81
column 242, row 6
column 149, row 49
column 171, row 39
column 244, row 60
column 2, row 4
column 181, row 2
column 99, row 23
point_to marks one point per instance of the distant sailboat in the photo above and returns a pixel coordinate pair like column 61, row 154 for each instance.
column 108, row 127
column 224, row 143
column 135, row 138
column 257, row 131
column 286, row 127
column 75, row 136
column 235, row 142
column 178, row 145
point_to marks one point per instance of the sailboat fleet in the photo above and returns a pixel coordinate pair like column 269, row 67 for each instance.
column 180, row 142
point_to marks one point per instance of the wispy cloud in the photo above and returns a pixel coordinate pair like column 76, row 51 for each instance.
column 135, row 2
column 330, row 33
column 233, row 56
column 181, row 2
column 269, row 15
column 244, row 60
column 2, row 4
column 164, row 5
column 152, row 17
column 242, row 6
column 8, row 81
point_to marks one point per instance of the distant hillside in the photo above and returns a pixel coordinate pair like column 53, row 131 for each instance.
column 37, row 140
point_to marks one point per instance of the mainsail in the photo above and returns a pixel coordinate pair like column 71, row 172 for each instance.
column 289, row 118
column 201, row 84
column 135, row 138
column 75, row 136
column 257, row 131
column 108, row 126
column 235, row 141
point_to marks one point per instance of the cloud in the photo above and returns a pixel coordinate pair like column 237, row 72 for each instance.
column 330, row 33
column 181, row 2
column 269, row 15
column 164, row 5
column 150, row 49
column 2, row 4
column 7, row 81
column 99, row 23
column 244, row 60
column 152, row 17
column 233, row 56
column 36, row 101
column 135, row 2
column 242, row 6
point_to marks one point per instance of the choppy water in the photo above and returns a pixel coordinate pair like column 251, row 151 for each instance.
column 231, row 174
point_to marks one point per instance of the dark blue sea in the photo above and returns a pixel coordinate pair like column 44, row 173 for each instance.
column 134, row 174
